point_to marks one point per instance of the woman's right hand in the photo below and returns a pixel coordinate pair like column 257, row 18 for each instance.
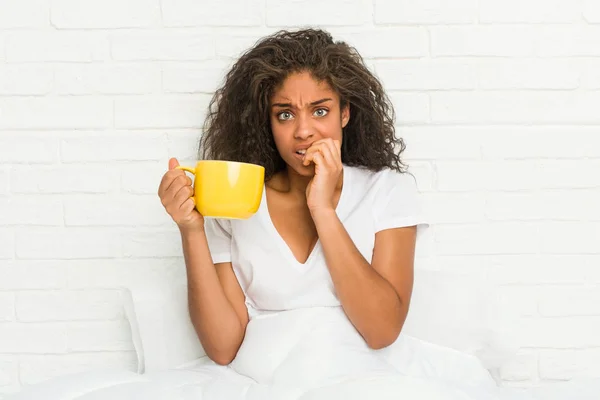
column 175, row 192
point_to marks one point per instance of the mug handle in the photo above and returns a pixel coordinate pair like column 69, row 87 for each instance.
column 192, row 171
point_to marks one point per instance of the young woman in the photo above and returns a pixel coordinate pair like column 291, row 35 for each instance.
column 336, row 228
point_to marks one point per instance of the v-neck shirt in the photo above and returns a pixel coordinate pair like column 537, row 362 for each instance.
column 285, row 248
column 269, row 274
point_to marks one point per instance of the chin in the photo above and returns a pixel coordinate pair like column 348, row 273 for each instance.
column 301, row 170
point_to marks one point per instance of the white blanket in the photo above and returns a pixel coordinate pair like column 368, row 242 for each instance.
column 205, row 381
column 310, row 348
column 311, row 354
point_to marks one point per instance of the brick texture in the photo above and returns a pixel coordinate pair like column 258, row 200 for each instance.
column 497, row 103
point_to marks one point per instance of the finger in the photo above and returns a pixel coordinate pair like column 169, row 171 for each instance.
column 317, row 159
column 179, row 182
column 188, row 206
column 308, row 157
column 338, row 147
column 316, row 146
column 310, row 153
column 334, row 148
column 327, row 148
column 168, row 179
column 182, row 196
column 173, row 163
column 165, row 182
column 332, row 144
column 326, row 152
column 321, row 149
column 313, row 147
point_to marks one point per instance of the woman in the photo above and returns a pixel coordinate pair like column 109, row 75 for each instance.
column 332, row 245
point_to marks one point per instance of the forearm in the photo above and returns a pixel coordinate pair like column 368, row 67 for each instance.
column 214, row 318
column 369, row 300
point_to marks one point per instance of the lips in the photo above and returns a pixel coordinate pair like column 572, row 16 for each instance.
column 299, row 154
column 301, row 149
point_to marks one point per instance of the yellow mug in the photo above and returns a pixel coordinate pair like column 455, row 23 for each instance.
column 227, row 189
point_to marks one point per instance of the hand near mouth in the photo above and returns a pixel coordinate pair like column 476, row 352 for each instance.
column 327, row 156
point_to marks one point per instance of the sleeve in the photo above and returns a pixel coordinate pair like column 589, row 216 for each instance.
column 218, row 235
column 398, row 203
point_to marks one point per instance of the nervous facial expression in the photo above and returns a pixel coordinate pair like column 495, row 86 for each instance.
column 302, row 111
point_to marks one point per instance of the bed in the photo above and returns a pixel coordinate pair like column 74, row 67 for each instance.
column 451, row 348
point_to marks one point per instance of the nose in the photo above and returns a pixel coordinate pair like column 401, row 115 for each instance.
column 304, row 130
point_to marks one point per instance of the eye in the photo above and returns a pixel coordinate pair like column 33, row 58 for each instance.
column 321, row 112
column 284, row 116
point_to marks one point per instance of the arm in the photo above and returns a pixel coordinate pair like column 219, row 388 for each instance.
column 374, row 297
column 216, row 301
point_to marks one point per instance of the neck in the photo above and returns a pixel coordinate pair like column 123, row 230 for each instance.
column 296, row 183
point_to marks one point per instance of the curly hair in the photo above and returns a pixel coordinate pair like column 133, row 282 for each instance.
column 237, row 127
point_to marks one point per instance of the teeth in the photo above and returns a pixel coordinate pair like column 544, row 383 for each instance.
column 301, row 152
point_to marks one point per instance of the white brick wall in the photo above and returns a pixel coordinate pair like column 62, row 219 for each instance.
column 109, row 14
column 497, row 102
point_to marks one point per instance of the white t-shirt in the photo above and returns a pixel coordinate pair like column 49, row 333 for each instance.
column 269, row 274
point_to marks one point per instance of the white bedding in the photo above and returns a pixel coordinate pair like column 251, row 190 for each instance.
column 205, row 380
column 311, row 354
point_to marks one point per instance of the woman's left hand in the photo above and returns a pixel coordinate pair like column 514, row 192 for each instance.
column 327, row 156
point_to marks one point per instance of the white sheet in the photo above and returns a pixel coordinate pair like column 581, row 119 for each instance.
column 207, row 381
column 312, row 354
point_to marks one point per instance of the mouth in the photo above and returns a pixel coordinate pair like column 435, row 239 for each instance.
column 300, row 154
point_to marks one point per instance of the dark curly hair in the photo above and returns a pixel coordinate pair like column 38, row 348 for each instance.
column 237, row 127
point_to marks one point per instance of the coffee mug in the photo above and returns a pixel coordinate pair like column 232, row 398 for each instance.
column 227, row 189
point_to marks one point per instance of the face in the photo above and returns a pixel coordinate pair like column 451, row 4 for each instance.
column 302, row 111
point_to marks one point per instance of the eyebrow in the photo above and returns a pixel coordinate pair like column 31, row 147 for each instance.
column 289, row 105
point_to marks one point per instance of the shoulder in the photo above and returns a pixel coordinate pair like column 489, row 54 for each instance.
column 393, row 197
column 381, row 183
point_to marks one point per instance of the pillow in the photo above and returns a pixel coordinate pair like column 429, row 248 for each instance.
column 129, row 309
column 459, row 310
column 162, row 332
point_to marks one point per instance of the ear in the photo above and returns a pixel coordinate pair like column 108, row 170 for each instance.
column 345, row 115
